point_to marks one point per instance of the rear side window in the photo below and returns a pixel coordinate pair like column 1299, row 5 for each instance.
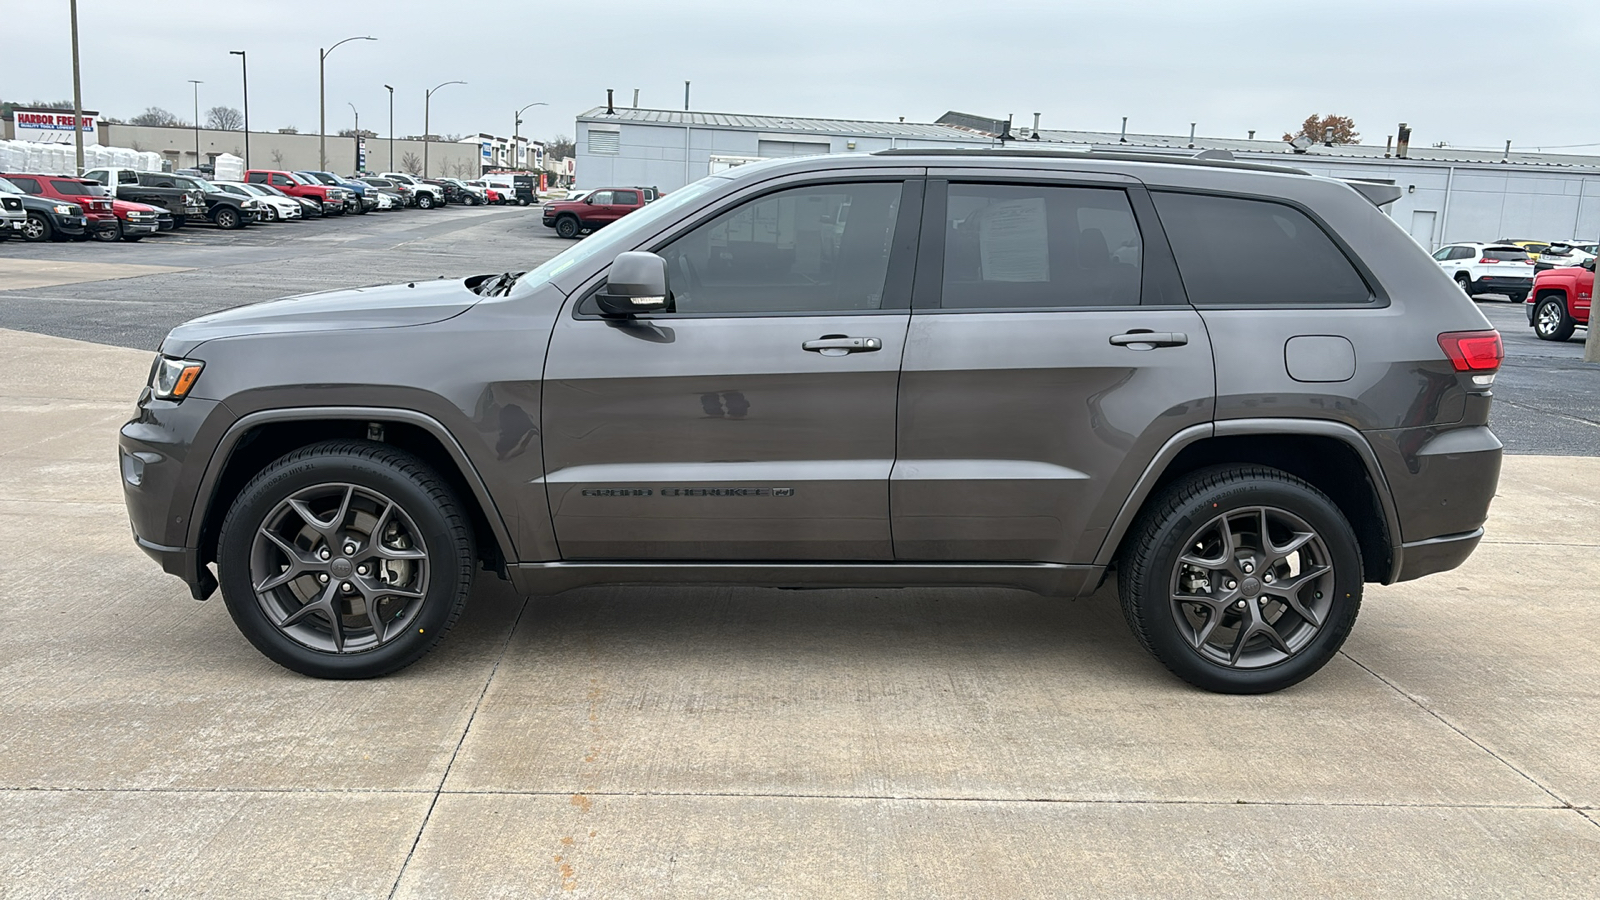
column 1237, row 252
column 1503, row 255
column 625, row 198
column 1032, row 247
column 74, row 189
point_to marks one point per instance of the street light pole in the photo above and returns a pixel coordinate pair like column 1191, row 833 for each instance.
column 358, row 134
column 322, row 100
column 427, row 100
column 77, row 92
column 391, row 128
column 516, row 128
column 196, row 121
column 244, row 67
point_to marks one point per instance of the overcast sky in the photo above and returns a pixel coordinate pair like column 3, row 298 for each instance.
column 1471, row 73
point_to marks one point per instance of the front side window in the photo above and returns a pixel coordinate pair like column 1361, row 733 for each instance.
column 1233, row 251
column 813, row 249
column 1443, row 253
column 600, row 198
column 1031, row 246
column 282, row 181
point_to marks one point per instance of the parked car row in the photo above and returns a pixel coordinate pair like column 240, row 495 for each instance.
column 111, row 204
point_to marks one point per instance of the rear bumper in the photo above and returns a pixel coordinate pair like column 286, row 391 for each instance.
column 1494, row 284
column 1440, row 554
column 1442, row 481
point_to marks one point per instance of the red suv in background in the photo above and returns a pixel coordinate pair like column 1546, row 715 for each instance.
column 597, row 209
column 1560, row 300
column 331, row 198
column 97, row 209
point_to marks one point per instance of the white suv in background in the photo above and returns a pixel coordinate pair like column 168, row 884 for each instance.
column 425, row 195
column 1565, row 253
column 1504, row 269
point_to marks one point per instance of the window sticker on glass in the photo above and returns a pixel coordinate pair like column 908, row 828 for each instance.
column 1014, row 241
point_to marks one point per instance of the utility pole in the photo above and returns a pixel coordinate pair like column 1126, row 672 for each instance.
column 322, row 100
column 391, row 127
column 516, row 129
column 358, row 134
column 196, row 121
column 77, row 92
column 427, row 100
column 244, row 67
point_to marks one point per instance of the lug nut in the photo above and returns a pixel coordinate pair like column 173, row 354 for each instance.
column 1267, row 577
column 1248, row 567
column 349, row 549
column 1232, row 584
column 346, row 587
column 1240, row 604
column 323, row 578
column 361, row 570
column 324, row 554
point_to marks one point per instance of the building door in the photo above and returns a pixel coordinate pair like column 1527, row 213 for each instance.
column 755, row 418
column 1422, row 223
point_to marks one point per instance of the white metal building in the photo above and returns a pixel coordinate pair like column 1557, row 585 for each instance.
column 1449, row 194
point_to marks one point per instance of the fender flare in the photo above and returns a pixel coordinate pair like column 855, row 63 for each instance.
column 223, row 452
column 1241, row 427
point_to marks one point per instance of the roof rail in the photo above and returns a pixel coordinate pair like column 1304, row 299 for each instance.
column 1090, row 153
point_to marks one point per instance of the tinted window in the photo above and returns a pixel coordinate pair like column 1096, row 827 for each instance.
column 625, row 198
column 29, row 185
column 1505, row 255
column 256, row 177
column 1462, row 253
column 75, row 188
column 1235, row 252
column 282, row 180
column 1009, row 246
column 822, row 248
column 1443, row 253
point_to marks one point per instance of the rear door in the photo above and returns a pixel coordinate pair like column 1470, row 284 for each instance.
column 622, row 203
column 754, row 420
column 1051, row 353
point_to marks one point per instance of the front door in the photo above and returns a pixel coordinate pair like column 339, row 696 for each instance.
column 754, row 419
column 1051, row 354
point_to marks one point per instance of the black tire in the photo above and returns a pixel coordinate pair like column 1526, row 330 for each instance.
column 1517, row 297
column 426, row 502
column 133, row 238
column 109, row 235
column 1464, row 281
column 227, row 217
column 425, row 200
column 568, row 227
column 179, row 221
column 37, row 229
column 1551, row 321
column 1175, row 523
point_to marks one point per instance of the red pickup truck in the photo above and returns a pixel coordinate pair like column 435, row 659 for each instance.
column 330, row 198
column 597, row 209
column 1559, row 301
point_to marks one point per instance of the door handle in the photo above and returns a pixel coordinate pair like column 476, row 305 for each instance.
column 1149, row 340
column 839, row 345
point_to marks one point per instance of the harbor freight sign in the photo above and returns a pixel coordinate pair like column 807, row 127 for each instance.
column 52, row 126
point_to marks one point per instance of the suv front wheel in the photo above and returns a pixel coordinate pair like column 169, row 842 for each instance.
column 345, row 559
column 1241, row 580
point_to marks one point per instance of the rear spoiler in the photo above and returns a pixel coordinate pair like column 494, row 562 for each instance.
column 1380, row 193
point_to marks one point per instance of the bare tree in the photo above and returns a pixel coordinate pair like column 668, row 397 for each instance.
column 224, row 118
column 1316, row 128
column 559, row 147
column 462, row 169
column 411, row 164
column 288, row 129
column 277, row 159
column 155, row 115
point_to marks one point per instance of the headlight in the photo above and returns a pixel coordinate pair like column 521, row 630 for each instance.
column 173, row 378
column 64, row 210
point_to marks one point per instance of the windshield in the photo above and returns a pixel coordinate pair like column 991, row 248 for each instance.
column 7, row 187
column 622, row 233
column 252, row 189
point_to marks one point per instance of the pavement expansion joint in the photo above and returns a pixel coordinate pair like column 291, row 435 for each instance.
column 1562, row 802
column 445, row 776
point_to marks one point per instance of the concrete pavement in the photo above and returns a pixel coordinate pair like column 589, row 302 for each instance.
column 633, row 742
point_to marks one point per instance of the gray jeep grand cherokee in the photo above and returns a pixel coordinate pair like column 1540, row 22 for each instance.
column 1243, row 388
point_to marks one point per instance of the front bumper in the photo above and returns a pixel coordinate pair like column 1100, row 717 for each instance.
column 157, row 487
column 1440, row 554
column 71, row 226
column 150, row 226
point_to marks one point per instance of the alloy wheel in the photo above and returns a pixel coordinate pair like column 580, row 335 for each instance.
column 339, row 568
column 1252, row 587
column 1548, row 321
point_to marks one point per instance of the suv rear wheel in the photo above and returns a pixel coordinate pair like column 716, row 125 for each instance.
column 1241, row 580
column 1464, row 281
column 345, row 559
column 1550, row 320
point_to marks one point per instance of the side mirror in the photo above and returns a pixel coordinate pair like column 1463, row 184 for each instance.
column 589, row 200
column 637, row 283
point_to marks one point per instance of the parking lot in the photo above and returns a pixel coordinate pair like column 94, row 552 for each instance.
column 626, row 742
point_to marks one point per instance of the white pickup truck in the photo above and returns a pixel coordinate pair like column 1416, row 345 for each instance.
column 426, row 195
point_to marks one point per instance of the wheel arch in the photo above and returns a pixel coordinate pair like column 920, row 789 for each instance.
column 1331, row 456
column 261, row 437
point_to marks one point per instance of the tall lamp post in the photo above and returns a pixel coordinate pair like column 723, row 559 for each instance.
column 391, row 127
column 427, row 98
column 77, row 93
column 244, row 68
column 358, row 133
column 516, row 129
column 322, row 100
column 196, row 121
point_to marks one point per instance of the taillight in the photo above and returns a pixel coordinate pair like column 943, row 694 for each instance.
column 1473, row 351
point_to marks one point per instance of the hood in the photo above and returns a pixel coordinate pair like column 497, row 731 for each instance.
column 385, row 306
